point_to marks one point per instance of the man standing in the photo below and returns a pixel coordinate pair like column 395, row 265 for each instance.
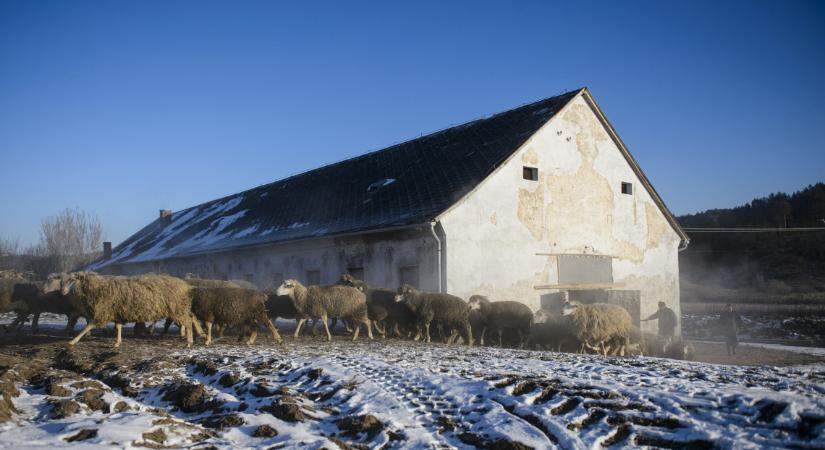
column 731, row 322
column 667, row 323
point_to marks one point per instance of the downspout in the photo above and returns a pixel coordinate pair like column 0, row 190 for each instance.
column 684, row 244
column 438, row 255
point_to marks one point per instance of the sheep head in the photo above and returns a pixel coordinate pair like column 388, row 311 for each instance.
column 405, row 293
column 349, row 280
column 542, row 316
column 477, row 301
column 287, row 288
column 55, row 282
column 568, row 308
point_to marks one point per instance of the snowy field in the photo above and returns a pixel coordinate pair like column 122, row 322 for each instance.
column 393, row 394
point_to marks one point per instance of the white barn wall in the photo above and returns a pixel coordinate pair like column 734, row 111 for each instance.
column 494, row 234
column 380, row 254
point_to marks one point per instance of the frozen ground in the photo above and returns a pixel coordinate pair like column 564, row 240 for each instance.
column 392, row 394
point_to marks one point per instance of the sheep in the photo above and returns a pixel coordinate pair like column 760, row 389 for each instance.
column 445, row 309
column 204, row 282
column 648, row 344
column 325, row 302
column 549, row 331
column 502, row 315
column 595, row 325
column 281, row 307
column 232, row 306
column 382, row 307
column 51, row 302
column 126, row 299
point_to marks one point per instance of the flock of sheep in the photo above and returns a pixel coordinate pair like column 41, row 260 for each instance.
column 404, row 313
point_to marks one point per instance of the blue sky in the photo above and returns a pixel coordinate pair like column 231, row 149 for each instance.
column 122, row 109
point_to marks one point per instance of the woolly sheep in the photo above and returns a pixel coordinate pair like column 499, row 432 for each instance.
column 146, row 298
column 501, row 315
column 445, row 309
column 597, row 324
column 382, row 307
column 15, row 289
column 232, row 306
column 325, row 302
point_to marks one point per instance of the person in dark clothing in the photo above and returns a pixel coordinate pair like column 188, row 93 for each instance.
column 667, row 322
column 731, row 322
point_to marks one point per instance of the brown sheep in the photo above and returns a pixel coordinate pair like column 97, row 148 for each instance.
column 444, row 309
column 595, row 325
column 382, row 307
column 502, row 315
column 232, row 306
column 50, row 302
column 146, row 298
column 327, row 302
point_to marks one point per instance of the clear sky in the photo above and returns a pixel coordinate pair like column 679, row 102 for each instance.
column 122, row 109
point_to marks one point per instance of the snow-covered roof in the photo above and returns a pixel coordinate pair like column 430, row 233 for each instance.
column 407, row 184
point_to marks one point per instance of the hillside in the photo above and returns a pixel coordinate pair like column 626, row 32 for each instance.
column 774, row 264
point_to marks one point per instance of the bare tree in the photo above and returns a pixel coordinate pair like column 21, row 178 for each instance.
column 10, row 254
column 68, row 241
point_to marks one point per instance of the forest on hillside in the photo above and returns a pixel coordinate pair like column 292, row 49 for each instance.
column 777, row 262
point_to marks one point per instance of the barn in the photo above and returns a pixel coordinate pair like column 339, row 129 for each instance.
column 538, row 204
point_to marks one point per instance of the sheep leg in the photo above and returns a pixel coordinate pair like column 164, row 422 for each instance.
column 468, row 331
column 483, row 332
column 369, row 328
column 274, row 331
column 196, row 324
column 18, row 321
column 35, row 321
column 118, row 331
column 166, row 326
column 70, row 324
column 314, row 328
column 82, row 333
column 191, row 323
column 208, row 333
column 427, row 332
column 326, row 328
column 383, row 332
column 500, row 332
column 298, row 328
column 521, row 342
column 252, row 336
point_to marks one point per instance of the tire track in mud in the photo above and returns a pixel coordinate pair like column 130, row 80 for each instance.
column 427, row 406
column 443, row 416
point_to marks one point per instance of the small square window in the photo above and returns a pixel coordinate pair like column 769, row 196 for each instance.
column 530, row 173
column 627, row 188
column 313, row 277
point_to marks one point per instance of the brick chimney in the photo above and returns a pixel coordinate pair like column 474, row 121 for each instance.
column 107, row 250
column 165, row 216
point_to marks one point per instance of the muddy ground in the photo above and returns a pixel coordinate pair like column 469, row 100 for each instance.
column 392, row 394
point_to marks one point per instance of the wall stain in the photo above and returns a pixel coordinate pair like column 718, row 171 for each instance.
column 531, row 209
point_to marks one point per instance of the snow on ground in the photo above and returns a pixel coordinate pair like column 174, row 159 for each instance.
column 393, row 394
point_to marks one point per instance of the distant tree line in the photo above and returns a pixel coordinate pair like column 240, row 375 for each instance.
column 68, row 241
column 773, row 261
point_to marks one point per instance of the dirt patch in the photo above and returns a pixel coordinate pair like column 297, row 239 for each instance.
column 63, row 408
column 82, row 435
column 345, row 446
column 207, row 368
column 189, row 397
column 223, row 421
column 288, row 412
column 155, row 436
column 229, row 380
column 264, row 431
column 354, row 425
column 93, row 398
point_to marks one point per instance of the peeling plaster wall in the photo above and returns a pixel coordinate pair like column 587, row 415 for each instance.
column 381, row 256
column 575, row 207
